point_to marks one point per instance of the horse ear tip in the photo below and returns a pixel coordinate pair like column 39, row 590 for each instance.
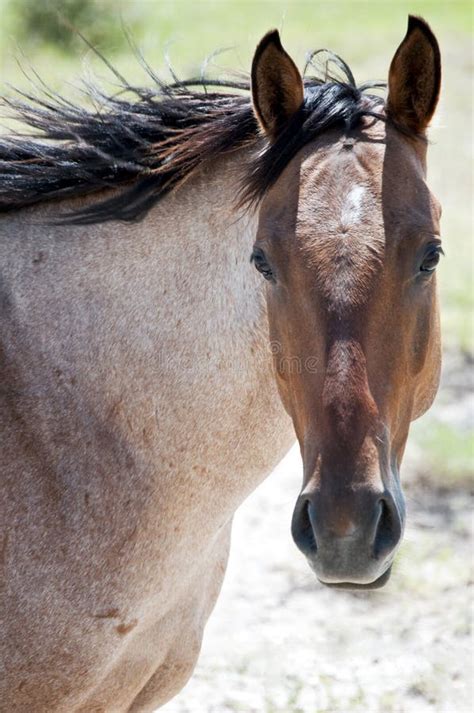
column 272, row 37
column 415, row 22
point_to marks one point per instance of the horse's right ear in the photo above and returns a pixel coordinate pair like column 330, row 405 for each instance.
column 277, row 86
column 414, row 78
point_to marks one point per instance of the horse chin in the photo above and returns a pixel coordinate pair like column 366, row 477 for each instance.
column 376, row 584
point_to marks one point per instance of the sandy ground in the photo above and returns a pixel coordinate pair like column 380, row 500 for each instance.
column 279, row 642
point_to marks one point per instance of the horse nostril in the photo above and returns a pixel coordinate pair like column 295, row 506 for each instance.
column 302, row 529
column 387, row 530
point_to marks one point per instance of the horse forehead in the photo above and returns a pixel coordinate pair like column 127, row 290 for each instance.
column 340, row 225
column 342, row 184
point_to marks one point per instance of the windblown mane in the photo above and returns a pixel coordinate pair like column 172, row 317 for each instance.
column 150, row 143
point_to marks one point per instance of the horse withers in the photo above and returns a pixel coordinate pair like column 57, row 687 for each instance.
column 142, row 398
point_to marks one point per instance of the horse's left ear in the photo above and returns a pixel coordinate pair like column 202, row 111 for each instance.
column 277, row 86
column 414, row 78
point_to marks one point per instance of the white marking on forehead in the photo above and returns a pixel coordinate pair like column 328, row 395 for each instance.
column 352, row 212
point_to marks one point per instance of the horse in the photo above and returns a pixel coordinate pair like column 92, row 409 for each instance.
column 191, row 274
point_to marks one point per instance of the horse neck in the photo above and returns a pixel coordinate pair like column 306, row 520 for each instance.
column 207, row 244
column 189, row 256
column 156, row 334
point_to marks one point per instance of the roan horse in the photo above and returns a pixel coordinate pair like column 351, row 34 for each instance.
column 138, row 397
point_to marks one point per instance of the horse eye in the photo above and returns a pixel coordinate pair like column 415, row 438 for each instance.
column 431, row 259
column 260, row 261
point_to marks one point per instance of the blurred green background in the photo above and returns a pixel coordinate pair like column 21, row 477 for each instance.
column 366, row 35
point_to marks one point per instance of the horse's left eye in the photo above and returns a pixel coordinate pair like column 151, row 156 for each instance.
column 260, row 261
column 431, row 259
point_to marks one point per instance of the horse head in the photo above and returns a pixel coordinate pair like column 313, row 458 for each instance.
column 348, row 242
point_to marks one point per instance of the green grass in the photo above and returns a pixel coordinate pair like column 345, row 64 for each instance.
column 448, row 453
column 366, row 34
column 196, row 29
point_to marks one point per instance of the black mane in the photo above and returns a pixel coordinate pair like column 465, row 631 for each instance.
column 150, row 143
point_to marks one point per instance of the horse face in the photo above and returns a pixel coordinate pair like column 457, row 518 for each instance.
column 348, row 240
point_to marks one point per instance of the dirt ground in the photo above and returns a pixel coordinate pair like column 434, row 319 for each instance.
column 279, row 642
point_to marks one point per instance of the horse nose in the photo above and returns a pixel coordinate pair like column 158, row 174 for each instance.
column 388, row 528
column 348, row 540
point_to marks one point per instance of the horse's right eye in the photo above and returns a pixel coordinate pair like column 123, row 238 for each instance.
column 260, row 261
column 431, row 259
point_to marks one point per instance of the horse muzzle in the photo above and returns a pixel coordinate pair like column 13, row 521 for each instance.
column 350, row 541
